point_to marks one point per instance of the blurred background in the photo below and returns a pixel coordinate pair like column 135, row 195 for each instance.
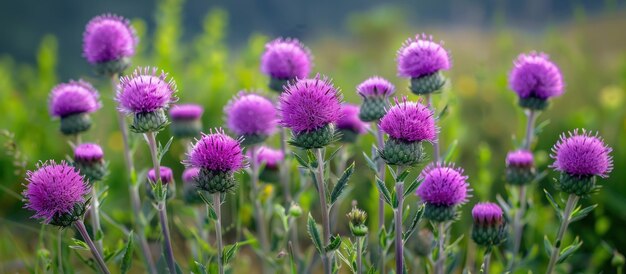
column 212, row 49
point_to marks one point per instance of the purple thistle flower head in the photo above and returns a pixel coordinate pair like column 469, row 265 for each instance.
column 190, row 174
column 268, row 156
column 582, row 154
column 216, row 152
column 409, row 121
column 375, row 87
column 286, row 59
column 421, row 56
column 309, row 104
column 487, row 214
column 74, row 97
column 519, row 158
column 108, row 38
column 145, row 91
column 167, row 176
column 443, row 185
column 88, row 152
column 54, row 189
column 535, row 76
column 349, row 119
column 251, row 114
column 186, row 112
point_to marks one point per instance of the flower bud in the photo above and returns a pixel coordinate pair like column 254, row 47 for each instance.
column 357, row 220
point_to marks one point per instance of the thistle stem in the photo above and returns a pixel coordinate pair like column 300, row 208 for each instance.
column 441, row 260
column 60, row 251
column 359, row 255
column 398, row 223
column 162, row 209
column 80, row 226
column 486, row 261
column 258, row 212
column 518, row 226
column 566, row 218
column 95, row 216
column 133, row 189
column 436, row 146
column 217, row 204
column 381, row 172
column 321, row 189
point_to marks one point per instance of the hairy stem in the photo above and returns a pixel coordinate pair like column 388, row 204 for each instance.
column 133, row 189
column 359, row 255
column 441, row 260
column 486, row 261
column 95, row 216
column 321, row 189
column 80, row 226
column 60, row 251
column 566, row 217
column 398, row 222
column 380, row 140
column 217, row 204
column 436, row 144
column 258, row 208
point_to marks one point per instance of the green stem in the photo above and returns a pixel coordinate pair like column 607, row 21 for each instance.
column 60, row 251
column 486, row 261
column 359, row 255
column 381, row 172
column 95, row 216
column 441, row 260
column 436, row 144
column 217, row 204
column 80, row 226
column 566, row 217
column 258, row 208
column 321, row 189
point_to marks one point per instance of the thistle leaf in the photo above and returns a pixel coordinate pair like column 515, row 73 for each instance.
column 547, row 245
column 128, row 254
column 335, row 243
column 370, row 163
column 412, row 187
column 341, row 184
column 314, row 233
column 413, row 226
column 382, row 188
column 581, row 213
column 568, row 251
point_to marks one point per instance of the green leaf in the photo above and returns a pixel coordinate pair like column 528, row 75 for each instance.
column 552, row 202
column 335, row 242
column 341, row 184
column 402, row 176
column 302, row 162
column 394, row 200
column 581, row 213
column 370, row 163
column 99, row 235
column 200, row 268
column 164, row 149
column 453, row 245
column 332, row 155
column 568, row 251
column 314, row 233
column 229, row 252
column 292, row 260
column 412, row 187
column 448, row 157
column 413, row 226
column 79, row 245
column 382, row 237
column 547, row 245
column 128, row 254
column 382, row 188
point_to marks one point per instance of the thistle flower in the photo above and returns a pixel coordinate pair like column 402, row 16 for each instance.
column 535, row 79
column 375, row 92
column 284, row 60
column 72, row 102
column 407, row 124
column 186, row 120
column 218, row 156
column 308, row 107
column 489, row 226
column 166, row 175
column 580, row 157
column 166, row 189
column 349, row 124
column 146, row 95
column 520, row 168
column 190, row 192
column 108, row 42
column 56, row 193
column 89, row 159
column 421, row 59
column 251, row 116
column 443, row 188
column 269, row 158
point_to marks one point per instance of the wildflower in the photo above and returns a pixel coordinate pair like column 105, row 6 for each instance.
column 270, row 159
column 520, row 168
column 443, row 188
column 357, row 218
column 422, row 60
column 73, row 102
column 535, row 79
column 349, row 125
column 190, row 192
column 89, row 159
column 109, row 41
column 489, row 225
column 186, row 120
column 166, row 179
column 252, row 117
column 375, row 92
column 285, row 60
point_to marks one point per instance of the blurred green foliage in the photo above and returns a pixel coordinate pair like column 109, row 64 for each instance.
column 483, row 118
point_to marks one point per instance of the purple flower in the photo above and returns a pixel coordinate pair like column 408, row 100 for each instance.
column 74, row 97
column 108, row 38
column 54, row 189
column 88, row 152
column 535, row 76
column 374, row 87
column 268, row 156
column 286, row 59
column 167, row 176
column 409, row 121
column 309, row 104
column 443, row 185
column 421, row 56
column 582, row 154
column 487, row 214
column 519, row 158
column 217, row 152
column 349, row 119
column 186, row 112
column 145, row 91
column 190, row 174
column 251, row 114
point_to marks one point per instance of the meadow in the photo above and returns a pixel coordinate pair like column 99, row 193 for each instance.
column 481, row 123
